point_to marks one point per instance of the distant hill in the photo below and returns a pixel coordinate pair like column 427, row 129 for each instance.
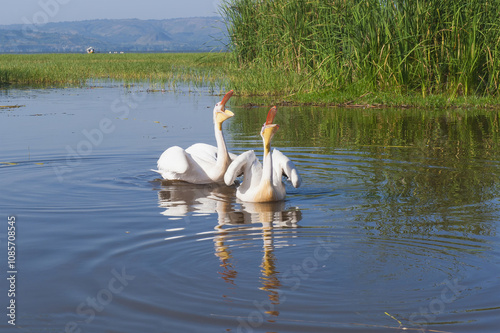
column 127, row 35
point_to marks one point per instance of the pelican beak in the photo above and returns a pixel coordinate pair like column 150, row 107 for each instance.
column 270, row 115
column 268, row 129
column 268, row 132
column 224, row 114
column 226, row 98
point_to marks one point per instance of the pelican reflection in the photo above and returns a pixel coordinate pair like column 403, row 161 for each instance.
column 272, row 222
column 180, row 198
column 261, row 219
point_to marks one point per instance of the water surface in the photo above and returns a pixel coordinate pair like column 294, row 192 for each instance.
column 394, row 226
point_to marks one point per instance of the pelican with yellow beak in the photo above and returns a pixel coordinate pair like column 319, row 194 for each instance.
column 200, row 163
column 262, row 182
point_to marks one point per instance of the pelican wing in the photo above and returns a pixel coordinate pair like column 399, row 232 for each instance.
column 232, row 156
column 204, row 152
column 283, row 165
column 173, row 162
column 238, row 166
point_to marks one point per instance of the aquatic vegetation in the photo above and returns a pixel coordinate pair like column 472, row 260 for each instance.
column 358, row 47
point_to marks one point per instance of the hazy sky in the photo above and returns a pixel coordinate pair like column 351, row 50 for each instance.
column 43, row 11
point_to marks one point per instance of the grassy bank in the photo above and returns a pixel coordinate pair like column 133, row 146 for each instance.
column 217, row 70
column 348, row 48
column 75, row 69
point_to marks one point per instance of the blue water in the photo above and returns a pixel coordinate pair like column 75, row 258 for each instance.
column 103, row 245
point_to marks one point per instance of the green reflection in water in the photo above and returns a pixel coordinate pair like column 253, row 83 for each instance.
column 418, row 171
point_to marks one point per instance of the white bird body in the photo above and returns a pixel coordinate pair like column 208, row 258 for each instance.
column 200, row 163
column 262, row 182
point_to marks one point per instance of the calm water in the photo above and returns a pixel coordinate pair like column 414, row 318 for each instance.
column 394, row 226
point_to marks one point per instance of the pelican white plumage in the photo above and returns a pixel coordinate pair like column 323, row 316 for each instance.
column 200, row 163
column 263, row 182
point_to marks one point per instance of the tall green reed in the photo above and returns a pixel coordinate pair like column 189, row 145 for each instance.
column 425, row 46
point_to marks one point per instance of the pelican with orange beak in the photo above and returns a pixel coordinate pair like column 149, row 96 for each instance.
column 200, row 163
column 263, row 182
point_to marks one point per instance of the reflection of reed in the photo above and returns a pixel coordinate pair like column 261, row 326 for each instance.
column 180, row 198
column 441, row 165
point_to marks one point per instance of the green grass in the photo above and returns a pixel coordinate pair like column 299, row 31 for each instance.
column 76, row 69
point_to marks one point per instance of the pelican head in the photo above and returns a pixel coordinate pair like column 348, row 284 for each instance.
column 220, row 112
column 268, row 130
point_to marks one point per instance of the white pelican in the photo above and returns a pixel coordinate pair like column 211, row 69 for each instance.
column 262, row 183
column 200, row 163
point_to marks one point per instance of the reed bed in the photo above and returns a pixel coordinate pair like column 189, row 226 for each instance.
column 427, row 47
